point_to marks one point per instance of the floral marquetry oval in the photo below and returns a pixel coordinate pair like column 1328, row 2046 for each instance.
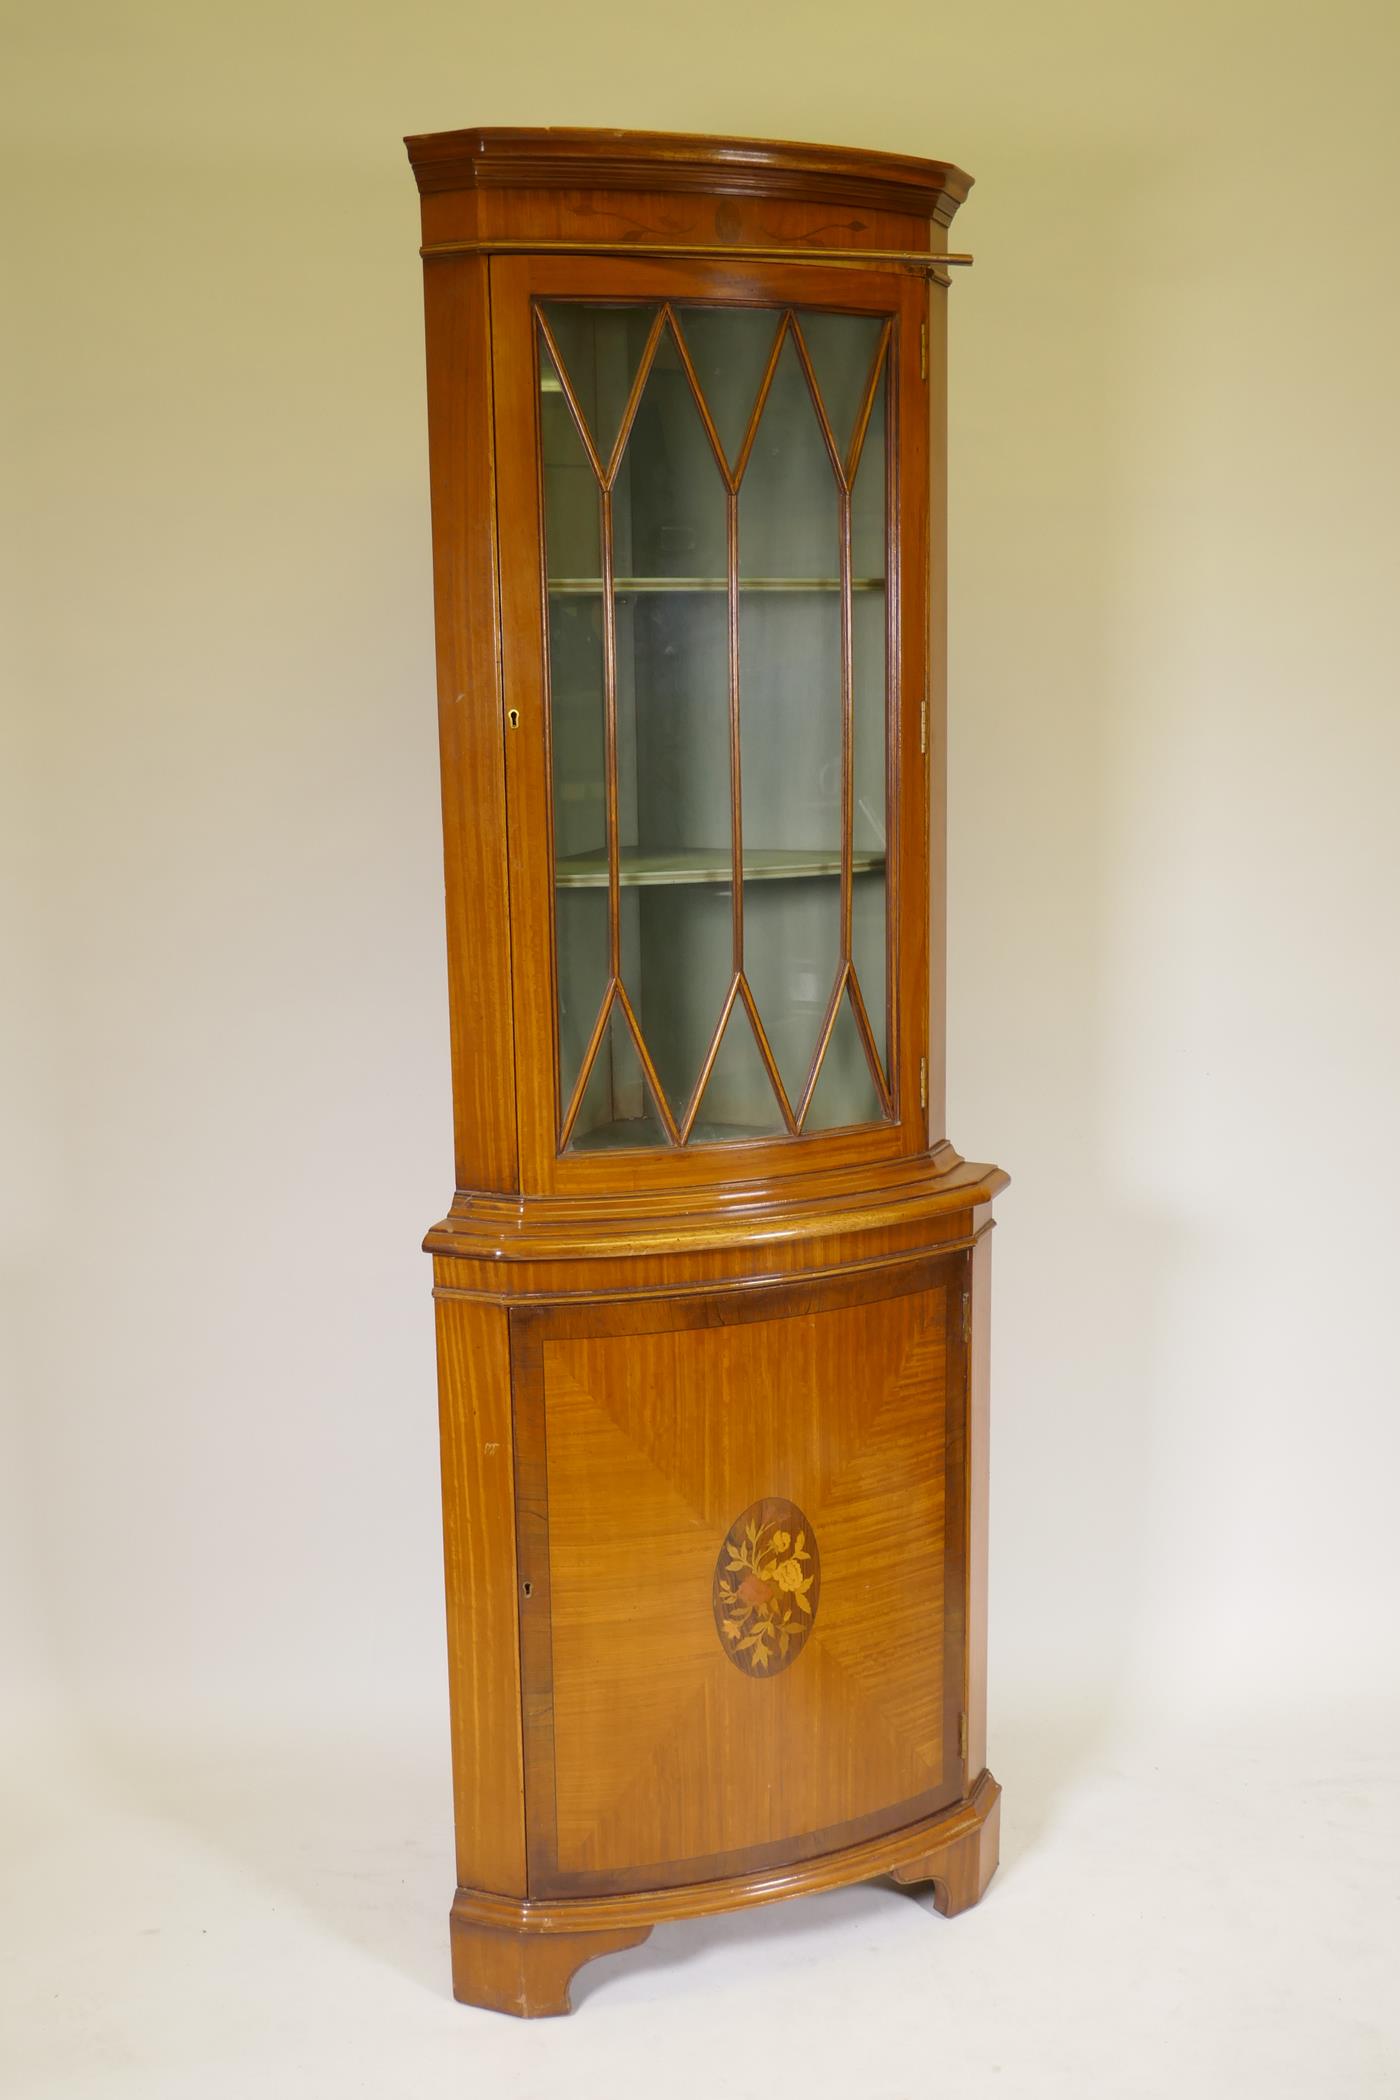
column 768, row 1580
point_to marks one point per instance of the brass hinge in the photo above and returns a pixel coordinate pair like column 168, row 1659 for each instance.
column 923, row 725
column 923, row 349
column 923, row 1082
column 962, row 1737
column 967, row 1316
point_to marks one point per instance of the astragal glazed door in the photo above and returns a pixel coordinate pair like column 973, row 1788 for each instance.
column 713, row 556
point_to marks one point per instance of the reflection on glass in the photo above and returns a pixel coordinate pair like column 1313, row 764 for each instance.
column 869, row 728
column 739, row 1099
column 730, row 347
column 670, row 521
column 842, row 349
column 745, row 424
column 868, row 942
column 790, row 671
column 581, row 930
column 845, row 1092
column 573, row 534
column 788, row 499
column 673, row 756
column 669, row 506
column 617, row 1107
column 868, row 521
column 601, row 347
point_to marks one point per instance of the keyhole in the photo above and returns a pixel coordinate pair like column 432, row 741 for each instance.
column 513, row 717
column 527, row 1589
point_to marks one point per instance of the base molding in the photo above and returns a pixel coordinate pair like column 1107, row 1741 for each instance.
column 961, row 1867
column 550, row 1246
column 523, row 1972
column 516, row 1956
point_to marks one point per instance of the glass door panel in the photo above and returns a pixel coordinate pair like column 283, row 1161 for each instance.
column 715, row 498
column 670, row 524
column 577, row 685
column 845, row 1090
column 730, row 348
column 790, row 655
column 870, row 725
column 601, row 348
column 618, row 1107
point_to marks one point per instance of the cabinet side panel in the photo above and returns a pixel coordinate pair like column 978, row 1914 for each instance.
column 523, row 616
column 483, row 1636
column 937, row 696
column 918, row 427
column 978, row 1457
column 458, row 320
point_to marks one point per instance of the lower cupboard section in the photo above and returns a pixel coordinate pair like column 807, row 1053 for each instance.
column 741, row 1541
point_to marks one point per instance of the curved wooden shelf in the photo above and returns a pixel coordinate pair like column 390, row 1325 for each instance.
column 591, row 586
column 706, row 864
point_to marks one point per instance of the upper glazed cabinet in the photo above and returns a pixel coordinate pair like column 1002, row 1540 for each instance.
column 710, row 497
column 705, row 460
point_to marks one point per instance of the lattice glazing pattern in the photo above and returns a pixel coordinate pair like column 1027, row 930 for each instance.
column 715, row 494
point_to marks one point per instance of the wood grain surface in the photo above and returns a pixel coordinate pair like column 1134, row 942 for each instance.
column 692, row 1396
column 483, row 1631
column 644, row 1432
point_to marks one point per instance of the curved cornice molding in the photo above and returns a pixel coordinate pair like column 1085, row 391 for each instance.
column 539, row 159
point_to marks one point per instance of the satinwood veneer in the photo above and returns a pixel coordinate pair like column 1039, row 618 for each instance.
column 712, row 1294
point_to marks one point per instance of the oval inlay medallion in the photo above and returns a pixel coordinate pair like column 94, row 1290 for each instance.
column 768, row 1579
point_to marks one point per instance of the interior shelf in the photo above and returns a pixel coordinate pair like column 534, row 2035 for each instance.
column 583, row 585
column 589, row 871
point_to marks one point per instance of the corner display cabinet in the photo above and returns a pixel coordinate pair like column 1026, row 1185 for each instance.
column 712, row 1294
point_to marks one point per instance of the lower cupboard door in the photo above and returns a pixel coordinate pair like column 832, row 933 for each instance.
column 741, row 1548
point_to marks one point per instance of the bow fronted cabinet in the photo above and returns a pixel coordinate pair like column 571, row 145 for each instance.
column 712, row 1296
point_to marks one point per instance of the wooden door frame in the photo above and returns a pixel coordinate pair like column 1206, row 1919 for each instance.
column 515, row 282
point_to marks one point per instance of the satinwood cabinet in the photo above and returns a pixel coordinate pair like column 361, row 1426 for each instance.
column 712, row 1293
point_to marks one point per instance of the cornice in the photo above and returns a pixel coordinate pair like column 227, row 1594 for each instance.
column 539, row 159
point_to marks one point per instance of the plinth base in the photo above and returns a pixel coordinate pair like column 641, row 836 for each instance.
column 520, row 1957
